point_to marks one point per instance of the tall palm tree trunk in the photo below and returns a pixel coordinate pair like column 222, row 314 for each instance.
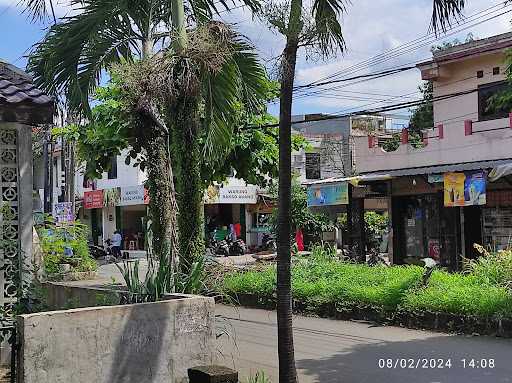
column 287, row 370
column 162, row 199
column 187, row 151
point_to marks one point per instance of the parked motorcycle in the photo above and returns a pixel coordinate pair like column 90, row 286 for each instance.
column 97, row 251
column 237, row 247
column 101, row 251
column 216, row 247
column 268, row 242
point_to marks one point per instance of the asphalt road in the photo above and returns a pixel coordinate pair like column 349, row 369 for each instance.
column 348, row 352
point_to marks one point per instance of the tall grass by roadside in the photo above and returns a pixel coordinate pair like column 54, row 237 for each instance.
column 460, row 294
column 483, row 290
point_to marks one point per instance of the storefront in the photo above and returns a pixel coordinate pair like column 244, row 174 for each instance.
column 229, row 205
column 123, row 209
column 441, row 215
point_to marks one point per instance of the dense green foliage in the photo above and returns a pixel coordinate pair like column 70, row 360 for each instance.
column 423, row 116
column 322, row 279
column 65, row 244
column 301, row 216
column 459, row 294
column 492, row 268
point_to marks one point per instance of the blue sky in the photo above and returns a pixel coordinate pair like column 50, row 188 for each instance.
column 370, row 27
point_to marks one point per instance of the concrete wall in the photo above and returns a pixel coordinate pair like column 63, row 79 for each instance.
column 142, row 343
column 461, row 76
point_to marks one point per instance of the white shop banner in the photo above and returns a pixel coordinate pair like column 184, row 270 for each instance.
column 238, row 194
column 132, row 195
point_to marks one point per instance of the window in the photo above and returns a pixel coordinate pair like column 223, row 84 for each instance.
column 480, row 74
column 496, row 70
column 487, row 108
column 313, row 166
column 112, row 171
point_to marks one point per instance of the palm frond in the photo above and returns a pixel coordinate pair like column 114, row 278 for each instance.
column 203, row 10
column 73, row 55
column 38, row 9
column 444, row 11
column 242, row 80
column 327, row 26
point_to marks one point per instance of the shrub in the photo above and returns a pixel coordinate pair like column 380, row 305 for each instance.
column 492, row 268
column 459, row 294
column 65, row 243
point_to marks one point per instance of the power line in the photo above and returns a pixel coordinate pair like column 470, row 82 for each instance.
column 414, row 44
column 397, row 106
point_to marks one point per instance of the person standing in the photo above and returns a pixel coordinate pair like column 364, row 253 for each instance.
column 117, row 239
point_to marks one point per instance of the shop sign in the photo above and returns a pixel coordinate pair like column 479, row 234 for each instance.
column 232, row 194
column 63, row 212
column 238, row 194
column 326, row 195
column 133, row 195
column 93, row 199
column 111, row 197
column 435, row 178
column 465, row 189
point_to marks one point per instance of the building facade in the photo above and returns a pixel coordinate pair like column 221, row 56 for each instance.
column 455, row 189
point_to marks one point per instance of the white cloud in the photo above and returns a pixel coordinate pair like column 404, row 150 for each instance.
column 370, row 28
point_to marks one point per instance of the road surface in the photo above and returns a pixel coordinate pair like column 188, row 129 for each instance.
column 329, row 351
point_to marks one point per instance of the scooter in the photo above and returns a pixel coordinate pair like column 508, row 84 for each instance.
column 268, row 242
column 237, row 247
column 216, row 247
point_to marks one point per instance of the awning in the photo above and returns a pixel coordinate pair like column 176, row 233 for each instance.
column 355, row 180
column 439, row 169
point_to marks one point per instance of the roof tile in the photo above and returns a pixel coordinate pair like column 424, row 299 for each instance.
column 16, row 87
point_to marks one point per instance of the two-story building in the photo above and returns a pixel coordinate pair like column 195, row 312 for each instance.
column 455, row 190
column 118, row 201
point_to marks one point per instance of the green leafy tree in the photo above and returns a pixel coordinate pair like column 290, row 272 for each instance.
column 77, row 50
column 423, row 116
column 303, row 218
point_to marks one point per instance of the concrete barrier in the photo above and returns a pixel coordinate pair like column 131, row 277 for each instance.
column 139, row 343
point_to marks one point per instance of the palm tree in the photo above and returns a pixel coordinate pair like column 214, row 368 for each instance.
column 210, row 66
column 323, row 32
column 75, row 53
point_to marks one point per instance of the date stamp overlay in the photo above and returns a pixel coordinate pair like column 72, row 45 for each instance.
column 436, row 363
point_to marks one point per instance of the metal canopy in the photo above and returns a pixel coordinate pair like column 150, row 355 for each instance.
column 441, row 168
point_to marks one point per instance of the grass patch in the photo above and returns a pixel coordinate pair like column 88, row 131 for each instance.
column 460, row 294
column 483, row 291
column 316, row 282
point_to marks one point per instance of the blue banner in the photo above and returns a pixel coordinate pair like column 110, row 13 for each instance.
column 327, row 195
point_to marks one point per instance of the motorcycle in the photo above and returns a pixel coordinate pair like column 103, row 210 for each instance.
column 268, row 242
column 216, row 247
column 97, row 251
column 102, row 251
column 237, row 247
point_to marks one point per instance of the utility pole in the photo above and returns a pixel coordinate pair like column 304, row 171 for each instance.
column 46, row 160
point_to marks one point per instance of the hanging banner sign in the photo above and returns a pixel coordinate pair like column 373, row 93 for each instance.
column 63, row 212
column 238, row 194
column 465, row 189
column 327, row 195
column 232, row 194
column 133, row 195
column 93, row 199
